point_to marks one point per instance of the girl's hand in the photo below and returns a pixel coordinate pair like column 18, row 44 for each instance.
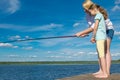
column 93, row 40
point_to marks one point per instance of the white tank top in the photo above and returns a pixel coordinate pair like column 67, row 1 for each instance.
column 109, row 24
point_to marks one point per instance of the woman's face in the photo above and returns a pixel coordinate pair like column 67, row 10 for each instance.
column 87, row 11
column 92, row 12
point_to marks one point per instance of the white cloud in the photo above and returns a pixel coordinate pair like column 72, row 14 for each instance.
column 14, row 6
column 76, row 24
column 15, row 37
column 56, row 56
column 49, row 52
column 27, row 37
column 15, row 46
column 45, row 27
column 116, row 8
column 27, row 48
column 92, row 53
column 53, row 42
column 69, row 54
column 78, row 54
column 117, row 2
column 69, row 51
column 117, row 33
column 66, row 52
column 33, row 56
column 9, row 6
column 115, row 54
column 13, row 56
column 7, row 45
column 12, row 27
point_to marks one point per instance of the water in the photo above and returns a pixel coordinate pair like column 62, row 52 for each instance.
column 47, row 72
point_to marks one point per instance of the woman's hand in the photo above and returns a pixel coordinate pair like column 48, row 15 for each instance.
column 93, row 40
column 80, row 34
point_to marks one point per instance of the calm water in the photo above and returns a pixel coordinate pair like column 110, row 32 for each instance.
column 47, row 72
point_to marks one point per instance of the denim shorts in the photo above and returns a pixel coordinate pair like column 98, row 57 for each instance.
column 110, row 33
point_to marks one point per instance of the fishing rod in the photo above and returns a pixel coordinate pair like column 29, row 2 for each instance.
column 22, row 40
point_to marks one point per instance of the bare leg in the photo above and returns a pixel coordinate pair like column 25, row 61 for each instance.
column 100, row 70
column 108, row 55
column 103, row 67
column 102, row 59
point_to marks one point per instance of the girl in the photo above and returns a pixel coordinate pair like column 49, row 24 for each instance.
column 99, row 36
column 110, row 32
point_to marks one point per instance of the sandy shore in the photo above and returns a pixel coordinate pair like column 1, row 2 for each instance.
column 91, row 77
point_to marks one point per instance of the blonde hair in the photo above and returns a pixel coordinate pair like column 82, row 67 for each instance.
column 87, row 4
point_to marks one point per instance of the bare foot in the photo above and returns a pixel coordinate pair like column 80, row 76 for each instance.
column 109, row 73
column 99, row 72
column 101, row 76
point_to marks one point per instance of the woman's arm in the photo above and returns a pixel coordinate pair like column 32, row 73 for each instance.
column 84, row 32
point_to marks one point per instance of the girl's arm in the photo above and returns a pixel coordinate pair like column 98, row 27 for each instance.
column 94, row 31
column 95, row 28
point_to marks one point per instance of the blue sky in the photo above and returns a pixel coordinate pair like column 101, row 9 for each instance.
column 23, row 19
